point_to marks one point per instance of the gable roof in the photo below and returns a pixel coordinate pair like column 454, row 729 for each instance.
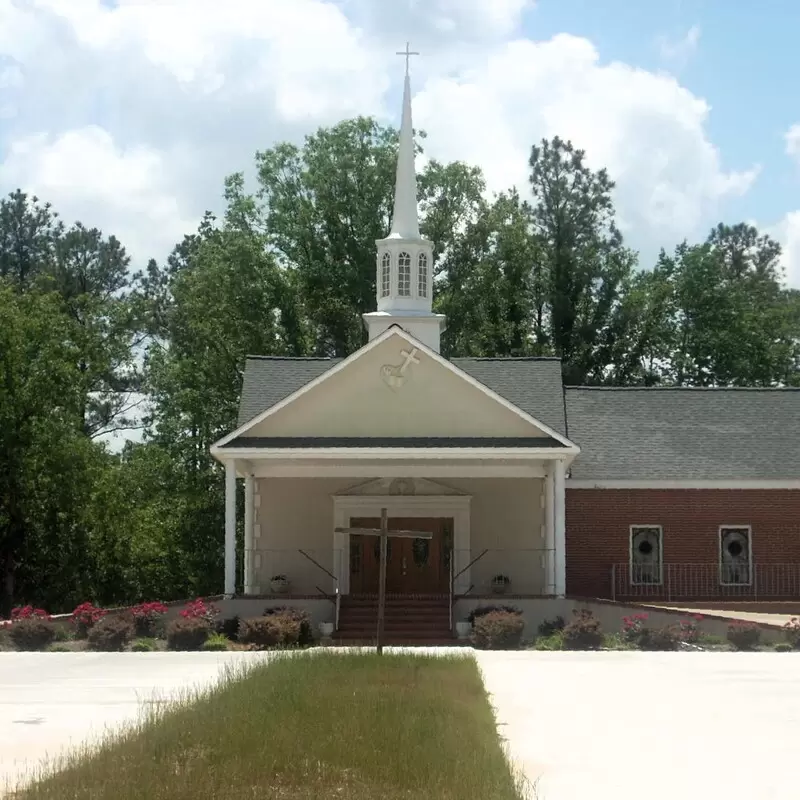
column 684, row 433
column 396, row 331
column 531, row 384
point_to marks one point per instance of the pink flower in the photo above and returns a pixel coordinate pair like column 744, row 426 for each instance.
column 26, row 612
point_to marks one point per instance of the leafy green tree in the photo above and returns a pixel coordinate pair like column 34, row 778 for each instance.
column 730, row 321
column 581, row 268
column 92, row 274
column 325, row 205
column 487, row 288
column 28, row 231
column 40, row 448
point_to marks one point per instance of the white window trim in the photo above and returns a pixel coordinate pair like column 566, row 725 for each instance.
column 734, row 526
column 386, row 274
column 422, row 283
column 402, row 258
column 660, row 530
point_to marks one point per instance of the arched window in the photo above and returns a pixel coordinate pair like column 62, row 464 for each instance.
column 404, row 275
column 386, row 274
column 422, row 275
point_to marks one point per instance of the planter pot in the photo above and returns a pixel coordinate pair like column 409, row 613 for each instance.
column 499, row 588
column 463, row 630
column 279, row 586
column 325, row 630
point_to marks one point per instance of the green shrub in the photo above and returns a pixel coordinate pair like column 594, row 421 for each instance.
column 481, row 611
column 551, row 626
column 187, row 633
column 302, row 617
column 583, row 632
column 552, row 642
column 666, row 638
column 783, row 647
column 85, row 617
column 744, row 635
column 228, row 627
column 273, row 630
column 216, row 642
column 791, row 630
column 58, row 648
column 64, row 634
column 110, row 634
column 498, row 630
column 148, row 619
column 32, row 633
column 144, row 645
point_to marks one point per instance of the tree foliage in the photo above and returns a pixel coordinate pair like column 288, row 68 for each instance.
column 89, row 345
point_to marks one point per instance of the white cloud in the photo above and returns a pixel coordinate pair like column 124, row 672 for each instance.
column 129, row 116
column 787, row 232
column 792, row 137
column 645, row 128
column 84, row 174
column 678, row 51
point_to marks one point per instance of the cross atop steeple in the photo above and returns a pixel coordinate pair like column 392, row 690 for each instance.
column 407, row 53
column 404, row 277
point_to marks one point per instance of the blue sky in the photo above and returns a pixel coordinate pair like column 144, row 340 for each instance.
column 128, row 114
column 745, row 64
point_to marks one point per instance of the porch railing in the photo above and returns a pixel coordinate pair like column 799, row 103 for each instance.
column 526, row 571
column 336, row 593
column 705, row 581
column 308, row 571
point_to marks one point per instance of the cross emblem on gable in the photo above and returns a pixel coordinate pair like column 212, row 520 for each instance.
column 394, row 376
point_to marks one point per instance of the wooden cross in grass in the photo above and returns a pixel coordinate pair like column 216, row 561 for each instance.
column 384, row 534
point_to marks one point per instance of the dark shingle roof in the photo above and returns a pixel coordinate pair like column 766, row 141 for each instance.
column 684, row 433
column 531, row 384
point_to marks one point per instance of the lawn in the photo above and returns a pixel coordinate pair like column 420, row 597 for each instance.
column 320, row 725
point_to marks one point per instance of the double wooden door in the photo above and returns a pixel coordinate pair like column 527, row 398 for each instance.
column 413, row 566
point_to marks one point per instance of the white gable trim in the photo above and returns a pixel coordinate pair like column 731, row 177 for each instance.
column 572, row 448
column 731, row 483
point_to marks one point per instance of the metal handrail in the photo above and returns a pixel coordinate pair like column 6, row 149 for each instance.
column 675, row 581
column 451, row 592
column 317, row 564
column 457, row 575
column 474, row 560
column 336, row 598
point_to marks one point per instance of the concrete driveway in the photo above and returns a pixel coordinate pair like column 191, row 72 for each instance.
column 665, row 726
column 53, row 701
column 605, row 726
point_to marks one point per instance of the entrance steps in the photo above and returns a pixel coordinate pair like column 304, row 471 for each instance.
column 408, row 620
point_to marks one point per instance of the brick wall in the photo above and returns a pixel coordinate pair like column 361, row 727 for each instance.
column 598, row 529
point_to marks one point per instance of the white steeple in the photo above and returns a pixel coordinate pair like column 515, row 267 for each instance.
column 404, row 279
column 405, row 221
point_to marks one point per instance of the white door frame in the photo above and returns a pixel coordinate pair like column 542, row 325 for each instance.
column 457, row 507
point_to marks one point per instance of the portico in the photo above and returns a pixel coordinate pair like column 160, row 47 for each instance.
column 490, row 516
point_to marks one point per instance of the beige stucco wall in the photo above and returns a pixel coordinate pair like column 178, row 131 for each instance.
column 434, row 401
column 295, row 513
column 506, row 518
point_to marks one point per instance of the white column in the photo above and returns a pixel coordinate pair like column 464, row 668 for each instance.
column 230, row 527
column 247, row 581
column 560, row 527
column 550, row 530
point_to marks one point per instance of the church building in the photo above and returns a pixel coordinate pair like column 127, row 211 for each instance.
column 525, row 488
